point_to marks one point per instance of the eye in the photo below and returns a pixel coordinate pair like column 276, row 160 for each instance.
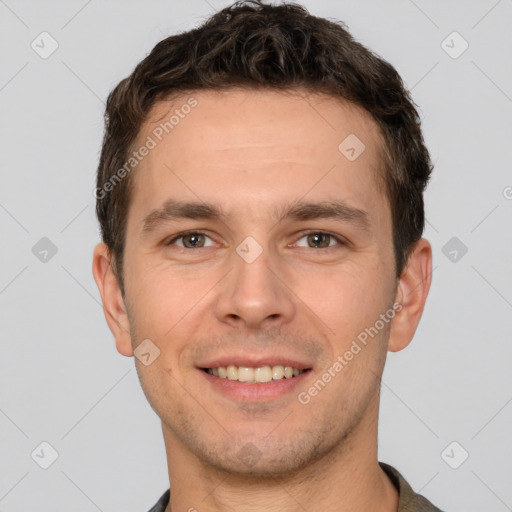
column 190, row 240
column 320, row 240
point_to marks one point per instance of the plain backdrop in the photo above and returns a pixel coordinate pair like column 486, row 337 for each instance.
column 446, row 409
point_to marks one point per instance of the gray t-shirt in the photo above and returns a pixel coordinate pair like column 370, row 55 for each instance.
column 409, row 500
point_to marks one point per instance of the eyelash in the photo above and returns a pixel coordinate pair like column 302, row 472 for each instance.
column 340, row 241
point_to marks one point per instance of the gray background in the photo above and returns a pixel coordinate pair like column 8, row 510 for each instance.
column 62, row 380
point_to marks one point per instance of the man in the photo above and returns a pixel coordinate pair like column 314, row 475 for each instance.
column 260, row 201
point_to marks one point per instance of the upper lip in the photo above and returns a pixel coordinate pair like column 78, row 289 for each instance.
column 254, row 362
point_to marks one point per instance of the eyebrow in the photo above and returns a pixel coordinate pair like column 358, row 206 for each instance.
column 337, row 210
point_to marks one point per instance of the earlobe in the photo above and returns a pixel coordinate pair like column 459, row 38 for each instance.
column 114, row 306
column 411, row 294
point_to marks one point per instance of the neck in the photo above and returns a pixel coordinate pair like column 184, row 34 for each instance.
column 348, row 479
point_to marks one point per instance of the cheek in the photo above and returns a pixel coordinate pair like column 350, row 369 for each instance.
column 162, row 296
column 349, row 298
column 168, row 309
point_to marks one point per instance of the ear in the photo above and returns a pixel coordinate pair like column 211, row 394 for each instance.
column 114, row 306
column 411, row 294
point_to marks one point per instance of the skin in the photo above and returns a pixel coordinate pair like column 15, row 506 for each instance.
column 252, row 152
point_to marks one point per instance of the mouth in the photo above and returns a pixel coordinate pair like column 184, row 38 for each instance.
column 255, row 375
column 254, row 378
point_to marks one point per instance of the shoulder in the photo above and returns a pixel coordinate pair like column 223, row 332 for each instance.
column 162, row 503
column 409, row 500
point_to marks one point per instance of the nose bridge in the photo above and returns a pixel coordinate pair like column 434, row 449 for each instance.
column 253, row 292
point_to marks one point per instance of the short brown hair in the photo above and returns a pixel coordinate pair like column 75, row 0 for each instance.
column 255, row 45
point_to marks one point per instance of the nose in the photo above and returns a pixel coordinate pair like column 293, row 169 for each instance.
column 255, row 294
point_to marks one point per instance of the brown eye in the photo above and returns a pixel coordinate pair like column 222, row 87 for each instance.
column 191, row 240
column 319, row 240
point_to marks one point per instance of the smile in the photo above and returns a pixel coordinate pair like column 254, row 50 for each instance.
column 258, row 375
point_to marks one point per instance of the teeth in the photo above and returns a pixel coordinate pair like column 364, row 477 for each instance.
column 245, row 374
column 277, row 372
column 261, row 374
column 232, row 372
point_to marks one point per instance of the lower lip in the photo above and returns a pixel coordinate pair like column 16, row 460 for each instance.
column 257, row 392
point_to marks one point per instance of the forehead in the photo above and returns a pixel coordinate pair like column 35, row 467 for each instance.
column 249, row 118
column 257, row 147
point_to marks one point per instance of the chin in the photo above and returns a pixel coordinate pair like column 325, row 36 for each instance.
column 264, row 468
column 260, row 459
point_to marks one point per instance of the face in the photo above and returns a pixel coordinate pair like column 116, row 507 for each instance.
column 255, row 247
